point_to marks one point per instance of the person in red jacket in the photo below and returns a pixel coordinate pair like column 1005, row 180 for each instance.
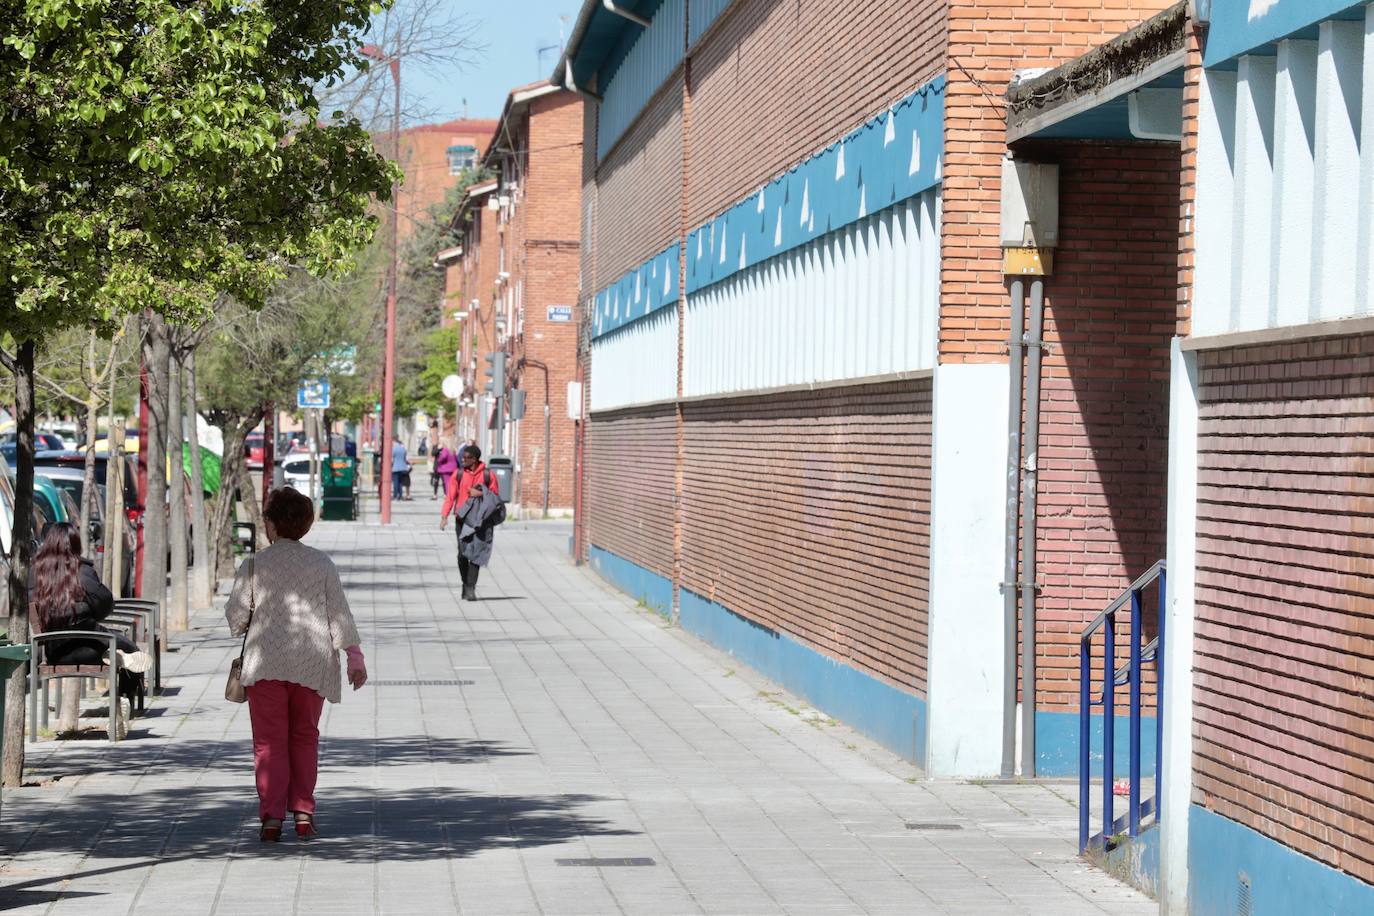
column 473, row 477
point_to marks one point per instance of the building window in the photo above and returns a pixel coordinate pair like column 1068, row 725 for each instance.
column 461, row 158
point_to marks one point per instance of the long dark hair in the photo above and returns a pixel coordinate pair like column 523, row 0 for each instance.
column 57, row 577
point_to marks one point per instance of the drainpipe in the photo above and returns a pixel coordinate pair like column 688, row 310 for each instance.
column 625, row 14
column 1009, row 580
column 1035, row 346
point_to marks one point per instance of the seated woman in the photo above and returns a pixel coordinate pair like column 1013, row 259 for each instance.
column 67, row 594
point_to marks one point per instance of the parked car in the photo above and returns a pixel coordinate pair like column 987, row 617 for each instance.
column 42, row 442
column 255, row 450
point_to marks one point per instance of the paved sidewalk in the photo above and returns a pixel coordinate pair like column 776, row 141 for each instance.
column 551, row 721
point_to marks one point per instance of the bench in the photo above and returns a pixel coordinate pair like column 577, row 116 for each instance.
column 41, row 674
column 151, row 614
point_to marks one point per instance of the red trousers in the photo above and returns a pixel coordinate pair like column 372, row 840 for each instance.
column 286, row 746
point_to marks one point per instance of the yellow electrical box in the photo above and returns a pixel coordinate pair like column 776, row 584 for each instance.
column 1027, row 261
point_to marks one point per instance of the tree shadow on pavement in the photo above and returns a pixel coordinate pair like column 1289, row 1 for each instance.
column 335, row 753
column 358, row 825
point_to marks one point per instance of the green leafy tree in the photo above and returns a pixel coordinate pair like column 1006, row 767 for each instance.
column 153, row 154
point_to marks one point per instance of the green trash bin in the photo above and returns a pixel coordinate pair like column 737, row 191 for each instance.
column 11, row 658
column 339, row 479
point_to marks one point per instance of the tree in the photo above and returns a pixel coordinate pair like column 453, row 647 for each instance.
column 156, row 153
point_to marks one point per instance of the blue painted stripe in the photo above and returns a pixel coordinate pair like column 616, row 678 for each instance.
column 1282, row 880
column 633, row 579
column 891, row 716
column 639, row 293
column 892, row 157
column 1239, row 26
column 1056, row 745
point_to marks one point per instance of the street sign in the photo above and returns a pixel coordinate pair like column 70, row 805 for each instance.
column 313, row 394
column 453, row 387
column 560, row 313
column 342, row 360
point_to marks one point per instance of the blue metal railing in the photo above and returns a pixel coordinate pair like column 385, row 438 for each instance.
column 1112, row 677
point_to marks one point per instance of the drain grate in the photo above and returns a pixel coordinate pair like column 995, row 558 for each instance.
column 421, row 683
column 925, row 825
column 606, row 863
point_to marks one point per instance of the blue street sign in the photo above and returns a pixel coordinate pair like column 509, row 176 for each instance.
column 313, row 393
column 560, row 313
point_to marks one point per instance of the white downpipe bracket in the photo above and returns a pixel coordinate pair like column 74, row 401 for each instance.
column 625, row 14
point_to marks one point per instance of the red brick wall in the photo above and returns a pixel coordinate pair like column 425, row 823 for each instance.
column 1104, row 407
column 542, row 240
column 424, row 158
column 1284, row 643
column 776, row 81
column 629, row 497
column 809, row 513
column 988, row 41
column 638, row 189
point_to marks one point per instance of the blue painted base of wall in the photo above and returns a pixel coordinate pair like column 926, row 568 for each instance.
column 1282, row 881
column 1056, row 745
column 634, row 580
column 892, row 717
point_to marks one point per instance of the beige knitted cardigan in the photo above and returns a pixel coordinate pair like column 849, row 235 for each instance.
column 301, row 622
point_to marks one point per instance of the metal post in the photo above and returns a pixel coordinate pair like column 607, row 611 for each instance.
column 548, row 448
column 1133, row 802
column 1018, row 314
column 1085, row 717
column 1034, row 356
column 392, row 272
column 269, row 449
column 1108, row 726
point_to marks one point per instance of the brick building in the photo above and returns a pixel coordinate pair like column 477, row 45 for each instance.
column 433, row 157
column 914, row 337
column 515, row 276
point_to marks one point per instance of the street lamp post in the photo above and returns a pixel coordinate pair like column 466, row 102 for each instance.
column 392, row 272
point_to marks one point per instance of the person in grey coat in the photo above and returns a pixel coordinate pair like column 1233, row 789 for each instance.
column 477, row 521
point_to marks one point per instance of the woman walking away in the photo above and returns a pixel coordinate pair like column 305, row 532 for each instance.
column 67, row 595
column 474, row 540
column 291, row 603
column 445, row 464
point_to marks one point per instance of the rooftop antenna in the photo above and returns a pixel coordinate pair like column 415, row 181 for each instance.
column 465, row 109
column 539, row 55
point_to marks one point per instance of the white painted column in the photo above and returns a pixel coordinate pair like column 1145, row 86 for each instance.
column 1340, row 50
column 1291, row 230
column 1253, row 203
column 967, row 532
column 1177, row 767
column 1214, row 206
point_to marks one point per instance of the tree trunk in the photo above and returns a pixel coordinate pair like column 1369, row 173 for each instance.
column 176, row 523
column 202, row 577
column 90, row 491
column 222, row 529
column 21, row 555
column 156, row 352
column 250, row 502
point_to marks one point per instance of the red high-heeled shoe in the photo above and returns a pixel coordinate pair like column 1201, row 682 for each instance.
column 305, row 827
column 270, row 833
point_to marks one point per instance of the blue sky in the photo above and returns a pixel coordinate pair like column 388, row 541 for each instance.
column 511, row 31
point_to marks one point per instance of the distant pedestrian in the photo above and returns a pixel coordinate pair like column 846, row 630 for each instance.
column 291, row 604
column 446, row 463
column 474, row 497
column 400, row 469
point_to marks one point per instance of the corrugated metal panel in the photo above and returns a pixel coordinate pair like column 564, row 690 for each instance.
column 646, row 289
column 628, row 87
column 858, row 302
column 892, row 157
column 703, row 14
column 636, row 364
column 1285, row 204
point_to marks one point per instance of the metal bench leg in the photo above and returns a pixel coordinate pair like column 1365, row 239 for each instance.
column 33, row 696
column 43, row 702
column 114, row 703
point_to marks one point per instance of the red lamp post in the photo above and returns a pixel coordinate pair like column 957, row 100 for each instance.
column 392, row 272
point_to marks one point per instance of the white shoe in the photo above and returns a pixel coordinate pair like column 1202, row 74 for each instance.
column 137, row 662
